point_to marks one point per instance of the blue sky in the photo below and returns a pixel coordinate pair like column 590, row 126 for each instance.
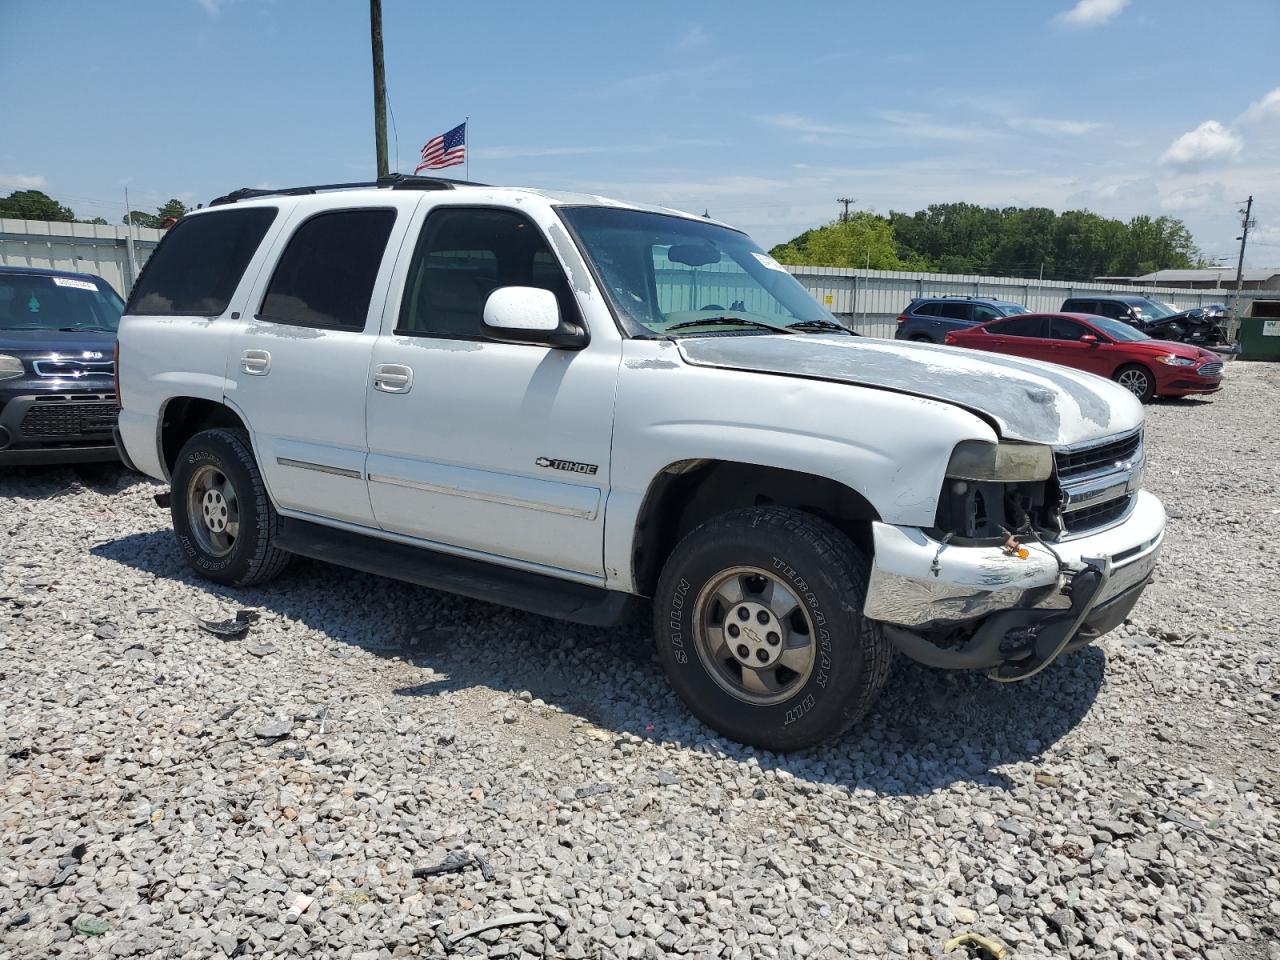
column 761, row 113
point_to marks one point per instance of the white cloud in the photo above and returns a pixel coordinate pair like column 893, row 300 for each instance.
column 22, row 181
column 1056, row 128
column 692, row 38
column 1268, row 106
column 1208, row 143
column 1091, row 13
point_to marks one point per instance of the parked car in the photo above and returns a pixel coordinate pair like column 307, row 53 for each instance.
column 1136, row 311
column 541, row 400
column 932, row 318
column 1145, row 367
column 57, row 389
column 1201, row 326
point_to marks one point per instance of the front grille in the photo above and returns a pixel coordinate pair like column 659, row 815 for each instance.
column 1080, row 461
column 1211, row 369
column 59, row 417
column 1090, row 518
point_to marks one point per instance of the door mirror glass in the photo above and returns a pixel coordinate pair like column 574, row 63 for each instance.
column 528, row 315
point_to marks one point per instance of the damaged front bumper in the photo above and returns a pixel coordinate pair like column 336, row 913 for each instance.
column 965, row 607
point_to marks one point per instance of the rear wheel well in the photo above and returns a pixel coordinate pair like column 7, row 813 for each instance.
column 689, row 492
column 184, row 417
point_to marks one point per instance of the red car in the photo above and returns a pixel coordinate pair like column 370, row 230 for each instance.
column 1147, row 368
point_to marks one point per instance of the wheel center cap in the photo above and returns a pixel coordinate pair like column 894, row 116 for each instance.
column 214, row 508
column 753, row 634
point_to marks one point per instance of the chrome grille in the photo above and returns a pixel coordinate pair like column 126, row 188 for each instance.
column 66, row 368
column 1211, row 369
column 1098, row 481
column 1081, row 460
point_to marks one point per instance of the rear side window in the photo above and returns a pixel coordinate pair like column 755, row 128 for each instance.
column 1017, row 327
column 954, row 311
column 198, row 265
column 1079, row 306
column 926, row 310
column 325, row 277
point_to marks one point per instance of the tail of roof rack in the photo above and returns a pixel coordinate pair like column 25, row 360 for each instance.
column 396, row 181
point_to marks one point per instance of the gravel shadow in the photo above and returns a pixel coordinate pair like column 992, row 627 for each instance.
column 930, row 729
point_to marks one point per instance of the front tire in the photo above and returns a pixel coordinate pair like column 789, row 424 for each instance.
column 222, row 517
column 1138, row 380
column 758, row 618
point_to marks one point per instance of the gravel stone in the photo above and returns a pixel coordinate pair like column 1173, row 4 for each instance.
column 1119, row 804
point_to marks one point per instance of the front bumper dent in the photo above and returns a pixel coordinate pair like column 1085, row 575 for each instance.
column 923, row 589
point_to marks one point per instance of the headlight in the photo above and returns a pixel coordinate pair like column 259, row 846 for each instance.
column 10, row 367
column 1005, row 462
column 1175, row 361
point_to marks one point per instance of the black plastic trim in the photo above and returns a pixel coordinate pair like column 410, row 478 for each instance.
column 532, row 592
column 395, row 181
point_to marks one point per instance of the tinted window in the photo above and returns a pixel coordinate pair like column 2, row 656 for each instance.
column 33, row 301
column 325, row 278
column 954, row 311
column 1080, row 306
column 1108, row 308
column 927, row 310
column 1026, row 326
column 464, row 255
column 982, row 314
column 1060, row 328
column 198, row 264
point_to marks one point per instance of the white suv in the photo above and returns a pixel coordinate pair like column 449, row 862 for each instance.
column 588, row 409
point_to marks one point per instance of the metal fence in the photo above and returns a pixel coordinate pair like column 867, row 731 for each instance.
column 867, row 300
column 101, row 249
column 870, row 300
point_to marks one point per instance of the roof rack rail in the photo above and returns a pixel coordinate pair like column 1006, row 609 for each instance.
column 394, row 181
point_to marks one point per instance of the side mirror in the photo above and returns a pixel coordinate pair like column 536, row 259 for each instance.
column 529, row 315
column 1090, row 339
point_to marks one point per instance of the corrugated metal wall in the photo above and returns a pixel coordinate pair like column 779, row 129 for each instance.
column 82, row 247
column 870, row 300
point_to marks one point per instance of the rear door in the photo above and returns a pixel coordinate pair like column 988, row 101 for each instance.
column 300, row 363
column 1021, row 336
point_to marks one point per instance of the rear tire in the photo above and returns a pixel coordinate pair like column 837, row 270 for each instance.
column 921, row 338
column 222, row 517
column 759, row 626
column 1138, row 380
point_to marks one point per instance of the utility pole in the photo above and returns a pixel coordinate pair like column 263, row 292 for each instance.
column 379, row 87
column 1246, row 223
column 133, row 257
column 846, row 201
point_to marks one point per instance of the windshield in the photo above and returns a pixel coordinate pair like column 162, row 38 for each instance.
column 1152, row 310
column 32, row 301
column 662, row 272
column 1117, row 330
column 1013, row 309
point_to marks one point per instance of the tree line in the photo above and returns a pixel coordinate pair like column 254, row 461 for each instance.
column 1010, row 241
column 36, row 205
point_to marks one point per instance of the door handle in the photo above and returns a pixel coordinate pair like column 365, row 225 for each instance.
column 393, row 378
column 256, row 363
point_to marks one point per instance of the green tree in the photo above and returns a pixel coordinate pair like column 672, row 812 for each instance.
column 861, row 240
column 34, row 205
column 140, row 218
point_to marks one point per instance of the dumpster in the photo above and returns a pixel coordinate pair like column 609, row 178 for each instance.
column 1259, row 335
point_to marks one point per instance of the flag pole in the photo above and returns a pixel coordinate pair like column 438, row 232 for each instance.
column 466, row 131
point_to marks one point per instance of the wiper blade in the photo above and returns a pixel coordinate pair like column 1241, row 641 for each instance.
column 820, row 325
column 725, row 322
column 82, row 329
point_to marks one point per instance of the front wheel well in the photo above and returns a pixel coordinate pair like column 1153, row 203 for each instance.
column 690, row 492
column 184, row 417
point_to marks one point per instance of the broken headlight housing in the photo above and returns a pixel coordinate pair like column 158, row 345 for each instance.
column 992, row 488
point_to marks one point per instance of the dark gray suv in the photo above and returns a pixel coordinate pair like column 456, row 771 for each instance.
column 931, row 318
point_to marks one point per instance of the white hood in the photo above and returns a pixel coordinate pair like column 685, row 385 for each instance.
column 1026, row 399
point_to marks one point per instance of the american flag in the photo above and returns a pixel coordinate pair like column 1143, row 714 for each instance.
column 446, row 150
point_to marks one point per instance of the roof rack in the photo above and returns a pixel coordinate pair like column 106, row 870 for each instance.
column 394, row 181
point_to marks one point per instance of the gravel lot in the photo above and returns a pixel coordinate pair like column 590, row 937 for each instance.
column 170, row 793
